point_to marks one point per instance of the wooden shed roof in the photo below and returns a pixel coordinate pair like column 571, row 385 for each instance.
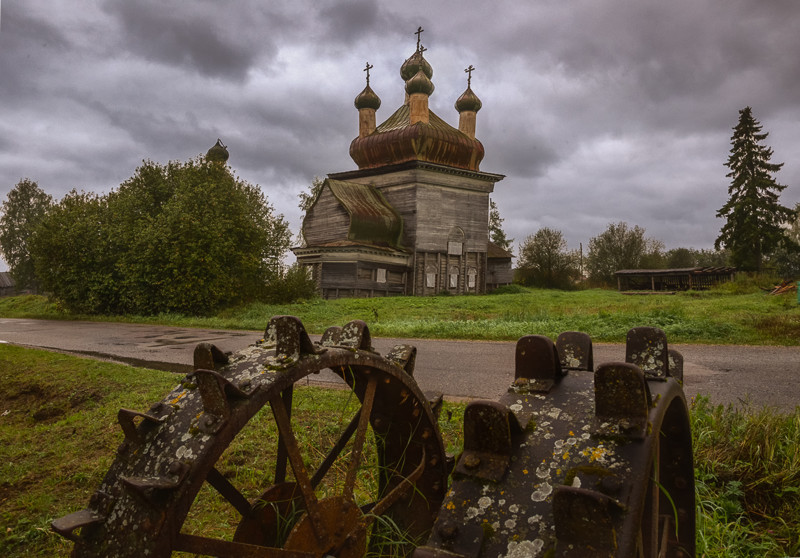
column 678, row 271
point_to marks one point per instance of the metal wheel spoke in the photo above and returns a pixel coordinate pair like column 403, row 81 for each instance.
column 335, row 450
column 229, row 492
column 296, row 460
column 397, row 492
column 361, row 435
column 280, row 460
column 226, row 549
column 666, row 522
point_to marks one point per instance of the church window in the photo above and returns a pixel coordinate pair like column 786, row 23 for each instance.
column 381, row 275
column 472, row 274
column 453, row 277
column 430, row 277
column 455, row 242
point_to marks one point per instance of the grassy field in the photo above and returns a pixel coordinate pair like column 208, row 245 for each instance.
column 736, row 313
column 58, row 434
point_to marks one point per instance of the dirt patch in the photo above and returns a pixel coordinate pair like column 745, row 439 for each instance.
column 43, row 402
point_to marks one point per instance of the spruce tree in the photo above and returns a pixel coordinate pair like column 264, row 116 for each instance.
column 754, row 215
column 496, row 232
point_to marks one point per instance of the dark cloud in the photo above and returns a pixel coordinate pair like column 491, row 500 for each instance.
column 27, row 47
column 177, row 35
column 597, row 111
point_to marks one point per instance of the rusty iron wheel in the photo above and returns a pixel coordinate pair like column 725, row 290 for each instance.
column 575, row 461
column 170, row 452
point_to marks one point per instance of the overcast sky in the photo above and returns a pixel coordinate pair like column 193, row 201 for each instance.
column 597, row 111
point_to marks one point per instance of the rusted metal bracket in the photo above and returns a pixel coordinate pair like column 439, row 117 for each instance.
column 585, row 522
column 622, row 401
column 216, row 392
column 676, row 365
column 575, row 351
column 127, row 420
column 288, row 335
column 537, row 366
column 152, row 488
column 209, row 356
column 646, row 347
column 353, row 335
column 489, row 428
column 67, row 525
column 404, row 356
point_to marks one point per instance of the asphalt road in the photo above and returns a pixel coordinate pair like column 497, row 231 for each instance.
column 743, row 375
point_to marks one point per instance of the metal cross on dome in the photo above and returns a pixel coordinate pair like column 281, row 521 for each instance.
column 418, row 33
column 469, row 74
column 367, row 69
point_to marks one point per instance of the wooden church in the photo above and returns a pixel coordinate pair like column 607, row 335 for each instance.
column 413, row 219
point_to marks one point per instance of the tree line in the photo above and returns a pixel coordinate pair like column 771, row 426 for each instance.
column 759, row 233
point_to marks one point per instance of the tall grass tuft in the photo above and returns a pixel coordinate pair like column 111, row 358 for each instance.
column 748, row 480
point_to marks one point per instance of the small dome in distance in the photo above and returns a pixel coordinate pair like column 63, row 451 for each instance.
column 218, row 153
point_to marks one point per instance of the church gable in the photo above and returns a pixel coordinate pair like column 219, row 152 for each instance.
column 356, row 213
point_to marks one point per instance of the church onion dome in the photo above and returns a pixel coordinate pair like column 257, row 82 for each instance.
column 419, row 83
column 398, row 141
column 218, row 153
column 414, row 64
column 468, row 101
column 367, row 99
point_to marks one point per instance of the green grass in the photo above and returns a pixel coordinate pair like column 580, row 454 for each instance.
column 732, row 314
column 747, row 468
column 58, row 435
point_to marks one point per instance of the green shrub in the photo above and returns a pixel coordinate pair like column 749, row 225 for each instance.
column 510, row 289
column 294, row 285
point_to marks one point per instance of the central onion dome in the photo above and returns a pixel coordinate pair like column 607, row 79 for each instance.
column 414, row 132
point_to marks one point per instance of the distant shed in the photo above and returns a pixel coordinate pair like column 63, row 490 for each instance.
column 7, row 285
column 682, row 279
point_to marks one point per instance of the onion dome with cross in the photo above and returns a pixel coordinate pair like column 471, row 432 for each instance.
column 414, row 132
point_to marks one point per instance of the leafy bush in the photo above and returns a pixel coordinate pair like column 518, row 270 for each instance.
column 748, row 283
column 293, row 285
column 509, row 289
column 185, row 237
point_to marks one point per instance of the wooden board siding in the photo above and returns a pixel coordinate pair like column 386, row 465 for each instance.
column 404, row 200
column 326, row 221
column 423, row 174
column 360, row 279
column 440, row 210
column 499, row 273
column 440, row 264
